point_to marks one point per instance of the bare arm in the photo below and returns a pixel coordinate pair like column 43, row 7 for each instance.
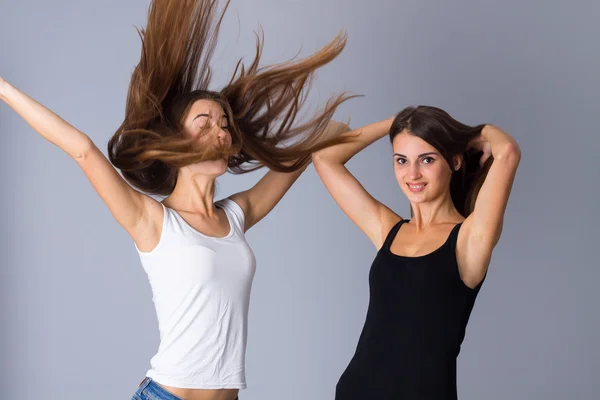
column 128, row 206
column 371, row 216
column 483, row 227
column 259, row 200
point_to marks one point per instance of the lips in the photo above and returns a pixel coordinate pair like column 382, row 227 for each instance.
column 416, row 187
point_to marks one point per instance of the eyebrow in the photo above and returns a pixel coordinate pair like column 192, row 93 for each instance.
column 207, row 115
column 420, row 155
column 200, row 115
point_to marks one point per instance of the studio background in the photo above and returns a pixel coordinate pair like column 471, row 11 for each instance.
column 76, row 315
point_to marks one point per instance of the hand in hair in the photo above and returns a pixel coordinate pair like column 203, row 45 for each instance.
column 369, row 214
column 482, row 229
column 482, row 145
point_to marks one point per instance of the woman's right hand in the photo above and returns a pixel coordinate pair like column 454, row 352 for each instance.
column 3, row 86
column 140, row 215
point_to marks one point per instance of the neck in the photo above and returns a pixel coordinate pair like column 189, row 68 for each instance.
column 438, row 211
column 193, row 193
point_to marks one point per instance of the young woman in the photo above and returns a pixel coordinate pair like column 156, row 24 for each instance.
column 176, row 139
column 428, row 269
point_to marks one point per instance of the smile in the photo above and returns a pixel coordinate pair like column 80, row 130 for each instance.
column 416, row 187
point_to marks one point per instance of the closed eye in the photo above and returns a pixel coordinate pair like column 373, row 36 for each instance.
column 202, row 122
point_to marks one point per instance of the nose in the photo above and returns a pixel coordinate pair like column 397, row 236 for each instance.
column 414, row 171
column 221, row 136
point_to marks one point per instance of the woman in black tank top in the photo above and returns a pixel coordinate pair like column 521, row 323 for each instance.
column 429, row 269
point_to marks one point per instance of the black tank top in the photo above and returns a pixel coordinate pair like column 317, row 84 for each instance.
column 418, row 311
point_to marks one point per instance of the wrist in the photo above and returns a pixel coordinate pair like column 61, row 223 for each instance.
column 5, row 88
column 386, row 126
column 487, row 132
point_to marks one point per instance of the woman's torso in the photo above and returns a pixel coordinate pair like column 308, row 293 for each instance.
column 415, row 324
column 201, row 290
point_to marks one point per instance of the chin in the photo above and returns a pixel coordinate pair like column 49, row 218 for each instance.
column 223, row 171
column 217, row 168
column 416, row 199
column 211, row 168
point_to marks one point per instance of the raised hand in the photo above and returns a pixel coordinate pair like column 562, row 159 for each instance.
column 3, row 86
column 480, row 144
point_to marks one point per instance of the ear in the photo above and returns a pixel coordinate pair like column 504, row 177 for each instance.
column 457, row 162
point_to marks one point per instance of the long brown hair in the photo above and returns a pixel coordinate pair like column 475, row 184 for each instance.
column 450, row 137
column 261, row 103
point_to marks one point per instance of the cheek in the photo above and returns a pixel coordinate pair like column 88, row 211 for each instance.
column 228, row 140
column 196, row 134
column 398, row 171
column 439, row 174
column 188, row 133
column 205, row 138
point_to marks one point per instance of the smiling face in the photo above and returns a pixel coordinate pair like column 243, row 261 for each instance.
column 207, row 121
column 421, row 171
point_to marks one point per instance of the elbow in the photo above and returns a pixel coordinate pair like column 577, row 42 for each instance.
column 317, row 157
column 325, row 157
column 320, row 157
column 510, row 153
column 320, row 163
column 83, row 149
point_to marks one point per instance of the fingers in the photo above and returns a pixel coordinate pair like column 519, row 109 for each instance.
column 485, row 156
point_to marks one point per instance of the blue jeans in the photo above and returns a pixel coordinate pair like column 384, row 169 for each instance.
column 150, row 390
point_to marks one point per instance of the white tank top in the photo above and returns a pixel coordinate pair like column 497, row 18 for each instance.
column 201, row 291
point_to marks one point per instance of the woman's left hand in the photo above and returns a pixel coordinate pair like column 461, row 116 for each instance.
column 480, row 144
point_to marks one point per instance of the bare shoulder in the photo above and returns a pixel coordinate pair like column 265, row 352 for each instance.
column 148, row 233
column 388, row 219
column 242, row 200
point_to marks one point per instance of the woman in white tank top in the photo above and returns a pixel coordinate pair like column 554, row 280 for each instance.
column 176, row 139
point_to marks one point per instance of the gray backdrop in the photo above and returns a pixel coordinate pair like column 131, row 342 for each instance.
column 76, row 312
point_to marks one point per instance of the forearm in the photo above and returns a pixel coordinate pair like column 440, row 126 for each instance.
column 49, row 125
column 361, row 138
